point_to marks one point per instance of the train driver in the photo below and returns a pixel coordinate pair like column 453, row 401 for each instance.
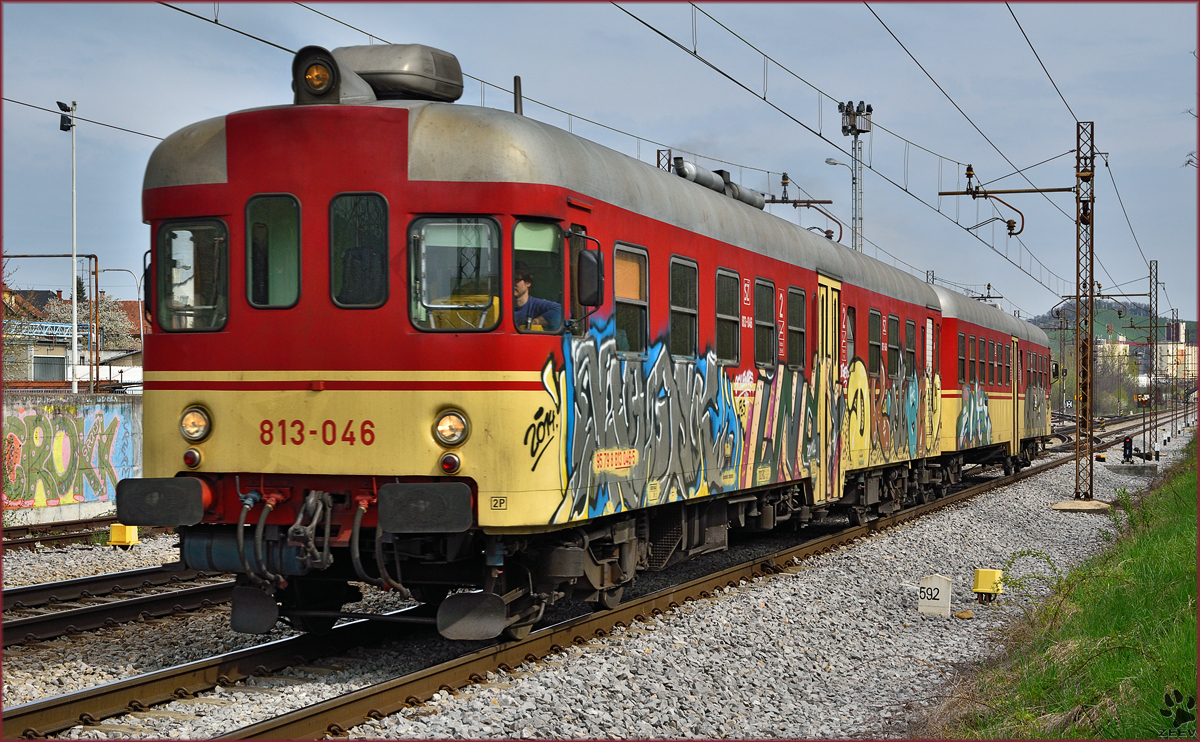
column 530, row 312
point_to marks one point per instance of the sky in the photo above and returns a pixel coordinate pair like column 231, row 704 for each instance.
column 952, row 84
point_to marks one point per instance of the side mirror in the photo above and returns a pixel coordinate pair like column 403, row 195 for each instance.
column 589, row 278
column 1054, row 369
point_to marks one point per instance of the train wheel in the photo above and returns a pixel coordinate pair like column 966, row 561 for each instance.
column 857, row 517
column 517, row 633
column 610, row 599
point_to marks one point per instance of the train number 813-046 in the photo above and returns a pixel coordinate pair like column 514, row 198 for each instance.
column 296, row 433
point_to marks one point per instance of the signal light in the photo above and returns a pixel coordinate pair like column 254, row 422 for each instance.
column 450, row 463
column 191, row 458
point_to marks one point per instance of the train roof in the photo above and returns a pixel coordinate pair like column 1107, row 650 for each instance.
column 461, row 143
column 956, row 305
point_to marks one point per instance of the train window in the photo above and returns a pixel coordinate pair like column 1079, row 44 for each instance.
column 1008, row 365
column 192, row 280
column 685, row 291
column 273, row 251
column 962, row 358
column 455, row 274
column 729, row 319
column 358, row 250
column 992, row 362
column 982, row 359
column 537, row 277
column 927, row 342
column 796, row 351
column 1028, row 369
column 851, row 316
column 875, row 352
column 630, row 299
column 910, row 347
column 765, row 349
column 893, row 342
column 971, row 357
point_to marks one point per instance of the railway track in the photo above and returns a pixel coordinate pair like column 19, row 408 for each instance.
column 62, row 533
column 49, row 610
column 336, row 715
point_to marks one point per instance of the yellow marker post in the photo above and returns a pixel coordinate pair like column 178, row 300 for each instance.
column 123, row 536
column 988, row 584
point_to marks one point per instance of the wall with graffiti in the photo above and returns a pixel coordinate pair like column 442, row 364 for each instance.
column 640, row 432
column 63, row 451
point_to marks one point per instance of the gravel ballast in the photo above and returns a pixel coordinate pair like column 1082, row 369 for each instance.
column 835, row 648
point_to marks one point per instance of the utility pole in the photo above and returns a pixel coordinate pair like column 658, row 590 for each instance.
column 1153, row 357
column 67, row 123
column 1174, row 368
column 1085, row 289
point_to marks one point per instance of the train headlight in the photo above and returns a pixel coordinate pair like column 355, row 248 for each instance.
column 451, row 428
column 194, row 425
column 318, row 78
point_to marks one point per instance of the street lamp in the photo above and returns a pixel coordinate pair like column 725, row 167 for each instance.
column 137, row 282
column 67, row 123
column 855, row 236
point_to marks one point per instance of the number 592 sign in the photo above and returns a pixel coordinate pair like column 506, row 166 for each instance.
column 933, row 595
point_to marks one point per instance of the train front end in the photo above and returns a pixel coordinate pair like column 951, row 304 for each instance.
column 319, row 408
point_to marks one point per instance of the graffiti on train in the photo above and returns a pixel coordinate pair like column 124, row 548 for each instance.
column 974, row 421
column 638, row 431
column 56, row 454
column 1036, row 404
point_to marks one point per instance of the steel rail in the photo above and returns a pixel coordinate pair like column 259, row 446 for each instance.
column 89, row 706
column 48, row 716
column 29, row 596
column 110, row 613
column 336, row 716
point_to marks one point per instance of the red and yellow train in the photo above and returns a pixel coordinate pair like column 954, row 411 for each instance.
column 458, row 353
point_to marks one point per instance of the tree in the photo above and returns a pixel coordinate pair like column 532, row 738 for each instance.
column 18, row 312
column 116, row 331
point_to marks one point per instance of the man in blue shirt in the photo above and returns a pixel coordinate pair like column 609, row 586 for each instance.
column 530, row 311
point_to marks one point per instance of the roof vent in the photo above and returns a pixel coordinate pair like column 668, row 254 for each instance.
column 405, row 71
column 718, row 181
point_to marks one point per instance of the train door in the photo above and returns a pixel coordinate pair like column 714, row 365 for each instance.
column 826, row 376
column 1014, row 443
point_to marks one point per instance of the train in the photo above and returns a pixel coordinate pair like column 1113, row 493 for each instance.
column 460, row 354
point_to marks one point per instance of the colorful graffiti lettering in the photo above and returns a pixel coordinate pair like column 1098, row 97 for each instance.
column 681, row 429
column 57, row 453
column 974, row 419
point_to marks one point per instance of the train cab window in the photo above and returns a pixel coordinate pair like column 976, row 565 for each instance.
column 875, row 342
column 273, row 251
column 729, row 319
column 992, row 362
column 893, row 342
column 971, row 357
column 358, row 250
column 910, row 348
column 630, row 299
column 962, row 358
column 192, row 279
column 765, row 352
column 537, row 277
column 685, row 291
column 795, row 330
column 850, row 333
column 454, row 274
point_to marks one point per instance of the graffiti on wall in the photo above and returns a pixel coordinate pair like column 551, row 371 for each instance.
column 57, row 453
column 1037, row 415
column 637, row 432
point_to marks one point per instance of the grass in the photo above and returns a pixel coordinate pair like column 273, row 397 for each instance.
column 1112, row 652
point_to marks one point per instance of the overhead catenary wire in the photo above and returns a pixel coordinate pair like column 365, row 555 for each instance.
column 1043, row 64
column 1062, row 282
column 81, row 118
column 896, row 259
